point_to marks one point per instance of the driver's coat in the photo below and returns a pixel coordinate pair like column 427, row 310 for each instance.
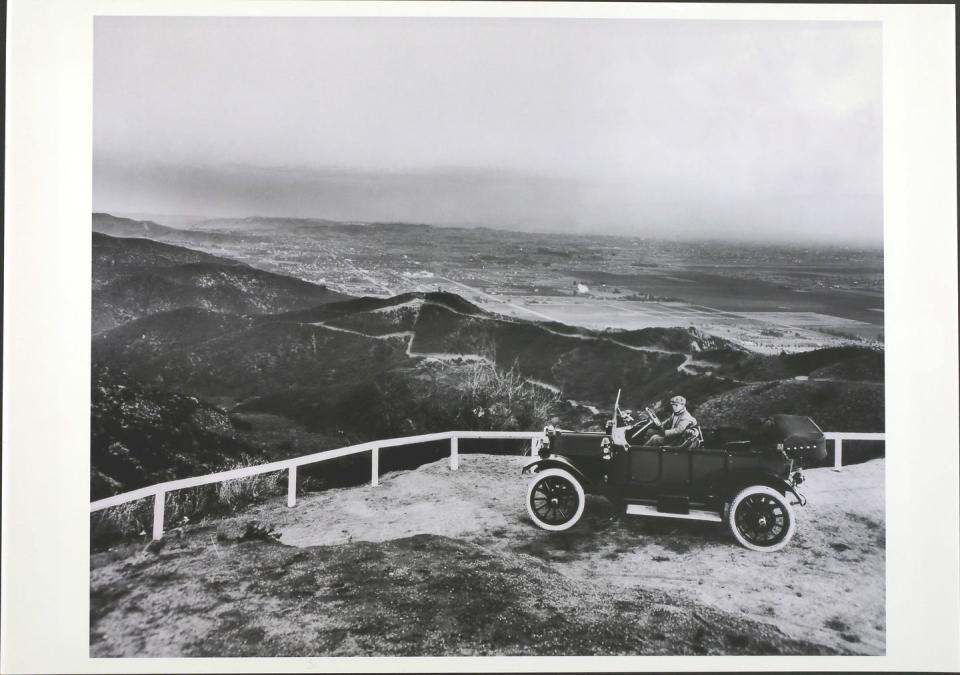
column 678, row 423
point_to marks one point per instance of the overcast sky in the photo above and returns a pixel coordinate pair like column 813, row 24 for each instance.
column 644, row 127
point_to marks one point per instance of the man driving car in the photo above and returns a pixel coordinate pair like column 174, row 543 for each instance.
column 673, row 428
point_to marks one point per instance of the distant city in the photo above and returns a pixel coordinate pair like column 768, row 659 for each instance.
column 766, row 297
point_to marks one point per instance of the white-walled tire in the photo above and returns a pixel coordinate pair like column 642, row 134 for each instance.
column 555, row 500
column 761, row 519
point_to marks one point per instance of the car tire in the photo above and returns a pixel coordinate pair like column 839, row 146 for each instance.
column 555, row 500
column 761, row 519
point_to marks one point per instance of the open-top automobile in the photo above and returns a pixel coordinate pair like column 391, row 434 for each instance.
column 745, row 478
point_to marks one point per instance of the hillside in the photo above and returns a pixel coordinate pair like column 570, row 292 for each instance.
column 678, row 340
column 219, row 355
column 368, row 307
column 853, row 363
column 838, row 406
column 434, row 562
column 115, row 226
column 117, row 257
column 300, row 366
column 140, row 436
column 380, row 369
column 348, row 353
column 133, row 278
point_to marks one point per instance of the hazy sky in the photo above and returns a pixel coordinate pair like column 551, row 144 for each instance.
column 770, row 130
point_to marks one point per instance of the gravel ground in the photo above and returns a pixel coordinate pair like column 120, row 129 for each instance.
column 827, row 585
column 434, row 561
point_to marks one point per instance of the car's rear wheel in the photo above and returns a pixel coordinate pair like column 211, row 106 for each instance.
column 761, row 518
column 555, row 500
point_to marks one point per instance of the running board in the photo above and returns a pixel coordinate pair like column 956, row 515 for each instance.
column 644, row 510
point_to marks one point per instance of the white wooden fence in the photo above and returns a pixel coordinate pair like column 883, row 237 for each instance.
column 838, row 437
column 160, row 490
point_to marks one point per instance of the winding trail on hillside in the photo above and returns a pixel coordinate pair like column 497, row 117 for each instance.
column 409, row 335
column 477, row 358
column 684, row 367
column 446, row 357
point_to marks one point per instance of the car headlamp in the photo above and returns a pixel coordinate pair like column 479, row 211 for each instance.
column 543, row 447
column 606, row 452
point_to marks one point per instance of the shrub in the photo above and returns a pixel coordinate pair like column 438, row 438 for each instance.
column 125, row 520
column 181, row 506
column 235, row 494
column 256, row 531
column 494, row 398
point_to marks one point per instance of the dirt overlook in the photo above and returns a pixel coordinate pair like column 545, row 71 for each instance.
column 437, row 562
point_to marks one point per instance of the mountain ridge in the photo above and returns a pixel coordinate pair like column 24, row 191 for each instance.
column 133, row 278
column 264, row 346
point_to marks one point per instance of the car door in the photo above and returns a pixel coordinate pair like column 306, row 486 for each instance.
column 644, row 465
column 674, row 471
column 707, row 468
column 660, row 470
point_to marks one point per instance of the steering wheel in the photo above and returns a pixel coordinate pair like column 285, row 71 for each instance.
column 646, row 418
column 653, row 417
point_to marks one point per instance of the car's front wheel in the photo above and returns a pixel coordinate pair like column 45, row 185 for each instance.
column 761, row 518
column 555, row 500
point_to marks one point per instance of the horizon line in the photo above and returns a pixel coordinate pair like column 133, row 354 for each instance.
column 534, row 230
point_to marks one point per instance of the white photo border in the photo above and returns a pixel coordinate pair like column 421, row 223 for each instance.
column 45, row 573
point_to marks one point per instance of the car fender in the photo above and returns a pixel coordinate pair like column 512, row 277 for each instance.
column 556, row 462
column 732, row 483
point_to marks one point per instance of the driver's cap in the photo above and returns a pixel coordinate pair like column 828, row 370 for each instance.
column 679, row 399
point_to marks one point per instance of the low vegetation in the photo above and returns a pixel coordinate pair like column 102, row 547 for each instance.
column 837, row 406
column 135, row 519
column 503, row 399
column 140, row 435
column 855, row 363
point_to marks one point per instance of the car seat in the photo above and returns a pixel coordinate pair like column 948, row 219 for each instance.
column 692, row 438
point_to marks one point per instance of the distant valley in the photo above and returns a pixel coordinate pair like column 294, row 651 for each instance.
column 202, row 361
column 768, row 298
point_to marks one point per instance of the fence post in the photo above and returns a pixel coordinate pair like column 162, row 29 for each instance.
column 292, row 486
column 533, row 446
column 454, row 453
column 375, row 466
column 837, row 454
column 158, row 501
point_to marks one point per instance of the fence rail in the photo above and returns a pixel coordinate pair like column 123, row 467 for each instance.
column 838, row 437
column 160, row 490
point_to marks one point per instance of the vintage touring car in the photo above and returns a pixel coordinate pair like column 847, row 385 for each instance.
column 747, row 479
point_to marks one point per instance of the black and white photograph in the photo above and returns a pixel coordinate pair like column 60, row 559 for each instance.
column 350, row 276
column 492, row 336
